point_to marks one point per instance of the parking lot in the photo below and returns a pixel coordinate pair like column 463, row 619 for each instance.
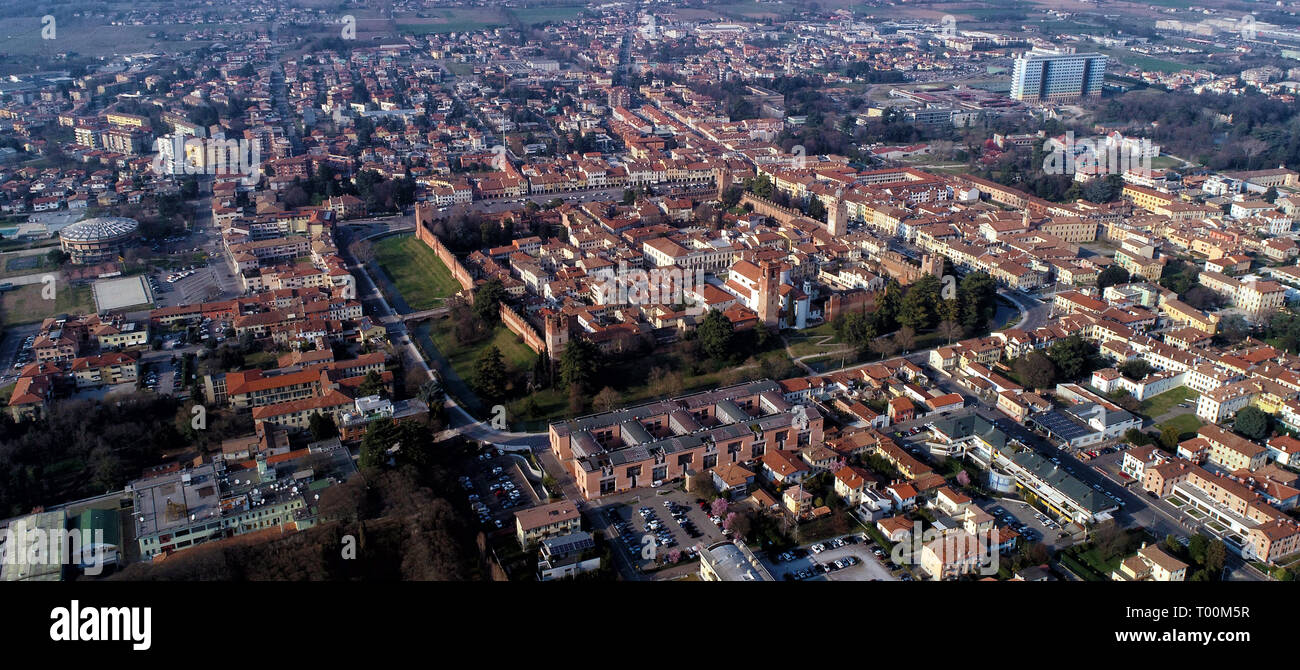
column 198, row 284
column 17, row 352
column 1033, row 525
column 497, row 488
column 162, row 376
column 845, row 558
column 666, row 519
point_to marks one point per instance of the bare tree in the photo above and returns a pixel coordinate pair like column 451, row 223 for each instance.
column 950, row 330
column 884, row 346
column 1252, row 147
column 363, row 251
column 905, row 338
column 607, row 400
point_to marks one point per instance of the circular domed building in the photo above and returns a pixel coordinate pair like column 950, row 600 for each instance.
column 98, row 240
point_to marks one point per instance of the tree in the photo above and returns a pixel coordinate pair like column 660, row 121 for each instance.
column 950, row 330
column 577, row 401
column 1203, row 298
column 607, row 400
column 888, row 306
column 738, row 523
column 1196, row 546
column 373, row 384
column 1034, row 553
column 905, row 338
column 578, row 363
column 718, row 507
column 1252, row 423
column 1136, row 369
column 1169, row 437
column 1073, row 357
column 432, row 394
column 381, row 435
column 665, row 383
column 816, row 209
column 490, row 375
column 715, row 334
column 1179, row 276
column 1136, row 437
column 321, row 427
column 1109, row 539
column 704, row 488
column 487, row 301
column 977, row 295
column 1036, row 370
column 1233, row 329
column 884, row 347
column 919, row 306
column 1111, row 276
column 856, row 328
column 1126, row 400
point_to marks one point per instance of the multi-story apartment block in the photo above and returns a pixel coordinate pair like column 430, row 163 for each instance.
column 661, row 441
column 553, row 520
column 1232, row 452
column 105, row 370
column 179, row 508
column 1047, row 76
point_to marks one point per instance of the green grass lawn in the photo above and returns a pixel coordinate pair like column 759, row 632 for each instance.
column 629, row 379
column 462, row 357
column 1089, row 556
column 753, row 10
column 1146, row 63
column 259, row 358
column 813, row 341
column 419, row 275
column 531, row 15
column 1158, row 405
column 25, row 304
column 519, row 359
column 1187, row 425
column 1165, row 163
column 87, row 37
column 454, row 20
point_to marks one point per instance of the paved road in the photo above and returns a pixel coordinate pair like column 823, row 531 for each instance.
column 34, row 278
column 9, row 347
column 1034, row 313
column 1139, row 510
column 597, row 521
column 459, row 421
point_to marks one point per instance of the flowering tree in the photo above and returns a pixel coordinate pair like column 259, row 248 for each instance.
column 719, row 507
column 738, row 524
column 963, row 478
column 674, row 556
